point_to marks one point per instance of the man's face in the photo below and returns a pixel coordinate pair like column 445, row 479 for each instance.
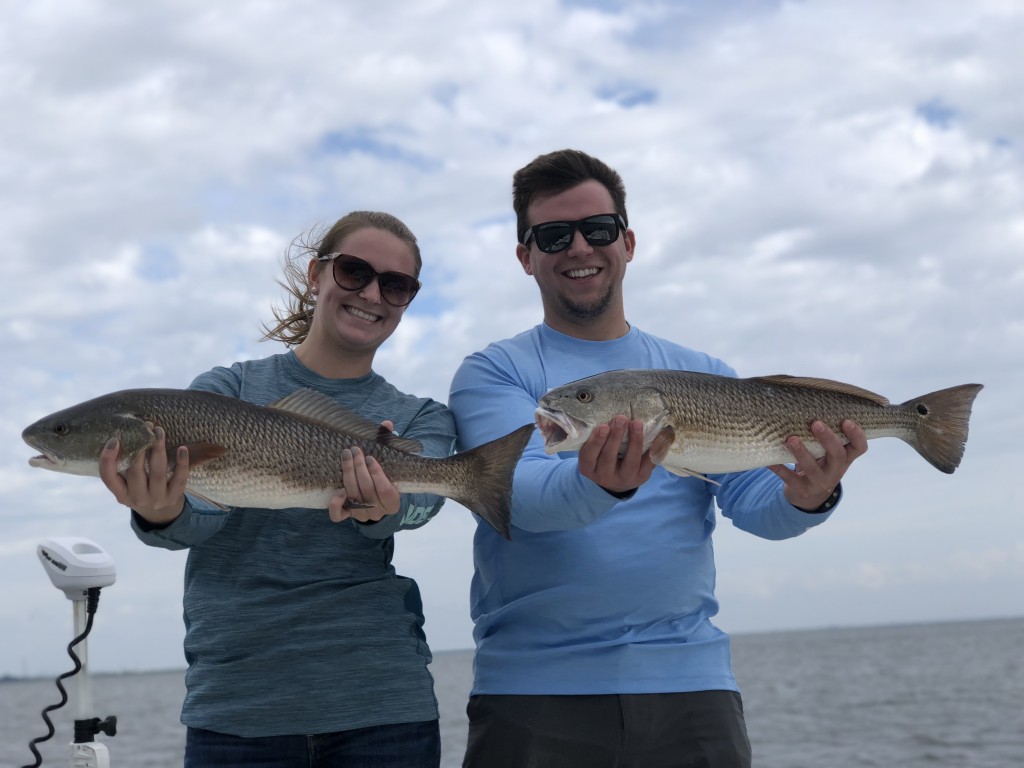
column 582, row 284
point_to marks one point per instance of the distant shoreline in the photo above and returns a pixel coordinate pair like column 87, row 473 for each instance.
column 8, row 678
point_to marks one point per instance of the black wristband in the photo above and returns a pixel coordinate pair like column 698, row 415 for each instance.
column 622, row 495
column 147, row 527
column 829, row 502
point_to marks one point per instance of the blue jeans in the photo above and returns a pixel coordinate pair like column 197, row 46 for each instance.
column 405, row 745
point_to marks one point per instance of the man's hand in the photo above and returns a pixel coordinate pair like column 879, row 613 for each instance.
column 599, row 457
column 812, row 482
column 151, row 493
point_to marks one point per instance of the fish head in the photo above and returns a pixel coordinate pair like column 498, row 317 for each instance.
column 70, row 441
column 567, row 415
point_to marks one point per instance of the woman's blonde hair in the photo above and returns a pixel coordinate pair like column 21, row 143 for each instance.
column 295, row 318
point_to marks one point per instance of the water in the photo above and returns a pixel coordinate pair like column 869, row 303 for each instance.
column 928, row 695
column 915, row 696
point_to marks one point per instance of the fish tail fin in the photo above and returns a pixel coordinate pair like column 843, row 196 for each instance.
column 943, row 417
column 489, row 493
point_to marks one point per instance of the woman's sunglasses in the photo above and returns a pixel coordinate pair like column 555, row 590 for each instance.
column 353, row 274
column 556, row 236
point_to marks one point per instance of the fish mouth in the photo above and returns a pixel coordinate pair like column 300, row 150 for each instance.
column 44, row 461
column 559, row 429
column 44, row 458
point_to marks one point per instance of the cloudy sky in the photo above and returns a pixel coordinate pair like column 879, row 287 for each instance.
column 828, row 188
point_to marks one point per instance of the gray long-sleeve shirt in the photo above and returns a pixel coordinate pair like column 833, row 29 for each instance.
column 295, row 624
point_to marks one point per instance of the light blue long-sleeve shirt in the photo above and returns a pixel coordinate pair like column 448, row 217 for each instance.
column 295, row 624
column 594, row 594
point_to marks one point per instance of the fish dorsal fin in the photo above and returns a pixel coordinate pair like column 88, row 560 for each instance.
column 314, row 406
column 826, row 385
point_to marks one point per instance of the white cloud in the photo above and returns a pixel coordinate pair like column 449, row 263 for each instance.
column 827, row 189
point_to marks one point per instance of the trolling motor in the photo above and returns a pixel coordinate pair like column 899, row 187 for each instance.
column 79, row 568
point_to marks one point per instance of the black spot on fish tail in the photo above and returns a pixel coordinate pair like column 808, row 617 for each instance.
column 943, row 419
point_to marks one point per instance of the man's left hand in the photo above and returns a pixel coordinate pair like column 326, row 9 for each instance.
column 810, row 484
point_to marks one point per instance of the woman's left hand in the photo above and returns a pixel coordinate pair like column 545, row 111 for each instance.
column 368, row 495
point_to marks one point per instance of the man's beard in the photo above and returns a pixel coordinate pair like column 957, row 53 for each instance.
column 588, row 311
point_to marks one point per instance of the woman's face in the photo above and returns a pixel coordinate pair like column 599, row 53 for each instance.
column 359, row 321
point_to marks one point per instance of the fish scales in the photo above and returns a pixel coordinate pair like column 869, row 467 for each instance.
column 747, row 412
column 280, row 456
column 277, row 456
column 702, row 423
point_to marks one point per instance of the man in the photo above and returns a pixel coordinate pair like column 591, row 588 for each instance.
column 594, row 641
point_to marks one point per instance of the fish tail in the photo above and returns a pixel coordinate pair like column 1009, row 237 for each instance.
column 489, row 493
column 942, row 420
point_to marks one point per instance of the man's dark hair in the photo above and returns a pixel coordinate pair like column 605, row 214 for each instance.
column 556, row 172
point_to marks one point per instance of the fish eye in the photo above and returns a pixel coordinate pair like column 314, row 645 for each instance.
column 61, row 429
column 584, row 395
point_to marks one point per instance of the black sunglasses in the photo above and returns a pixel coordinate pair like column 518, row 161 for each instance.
column 353, row 274
column 556, row 236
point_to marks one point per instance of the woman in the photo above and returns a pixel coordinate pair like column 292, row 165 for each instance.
column 303, row 645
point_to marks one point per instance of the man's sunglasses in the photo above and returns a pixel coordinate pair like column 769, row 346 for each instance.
column 556, row 236
column 353, row 274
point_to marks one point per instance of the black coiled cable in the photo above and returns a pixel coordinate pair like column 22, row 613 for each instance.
column 92, row 602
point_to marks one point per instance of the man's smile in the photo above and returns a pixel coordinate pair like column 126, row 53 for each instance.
column 581, row 273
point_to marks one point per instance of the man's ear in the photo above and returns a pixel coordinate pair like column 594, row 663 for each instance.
column 523, row 254
column 630, row 241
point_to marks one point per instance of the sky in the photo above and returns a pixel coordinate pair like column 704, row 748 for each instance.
column 831, row 189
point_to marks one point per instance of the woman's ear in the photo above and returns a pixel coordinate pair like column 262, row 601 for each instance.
column 313, row 272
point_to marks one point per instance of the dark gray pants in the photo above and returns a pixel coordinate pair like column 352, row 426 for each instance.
column 655, row 730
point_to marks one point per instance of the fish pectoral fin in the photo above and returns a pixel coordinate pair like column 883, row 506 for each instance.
column 683, row 472
column 200, row 453
column 661, row 444
column 207, row 499
column 658, row 451
column 350, row 504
